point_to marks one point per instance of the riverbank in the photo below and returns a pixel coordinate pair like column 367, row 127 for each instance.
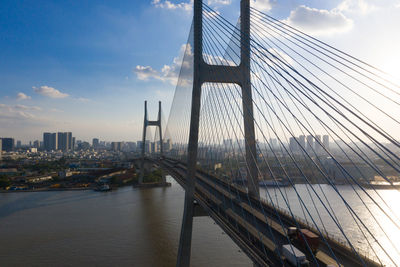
column 46, row 189
column 152, row 185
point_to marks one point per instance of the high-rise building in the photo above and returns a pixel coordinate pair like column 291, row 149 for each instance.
column 318, row 142
column 1, row 147
column 302, row 141
column 19, row 144
column 95, row 143
column 36, row 144
column 139, row 145
column 69, row 140
column 168, row 145
column 50, row 142
column 310, row 143
column 325, row 141
column 8, row 144
column 273, row 143
column 293, row 144
column 116, row 146
column 54, row 141
column 73, row 143
column 83, row 145
column 147, row 147
column 61, row 141
column 47, row 144
column 64, row 141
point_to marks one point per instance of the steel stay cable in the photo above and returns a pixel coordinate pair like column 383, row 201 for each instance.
column 329, row 75
column 379, row 83
column 243, row 156
column 350, row 207
column 307, row 211
column 329, row 46
column 323, row 204
column 247, row 167
column 357, row 192
column 328, row 113
column 350, row 147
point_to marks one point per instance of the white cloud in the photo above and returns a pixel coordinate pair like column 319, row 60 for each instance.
column 146, row 72
column 188, row 6
column 23, row 107
column 319, row 21
column 50, row 92
column 262, row 5
column 22, row 96
column 169, row 5
column 356, row 6
column 281, row 57
column 17, row 112
column 219, row 2
column 168, row 73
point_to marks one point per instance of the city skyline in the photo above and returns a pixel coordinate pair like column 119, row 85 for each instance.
column 97, row 81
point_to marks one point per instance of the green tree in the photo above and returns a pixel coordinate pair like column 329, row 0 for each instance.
column 4, row 182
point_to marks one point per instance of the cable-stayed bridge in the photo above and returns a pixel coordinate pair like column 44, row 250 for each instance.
column 286, row 142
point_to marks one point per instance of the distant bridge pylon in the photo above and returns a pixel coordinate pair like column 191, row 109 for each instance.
column 147, row 123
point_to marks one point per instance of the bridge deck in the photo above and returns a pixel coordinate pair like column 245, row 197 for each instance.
column 243, row 219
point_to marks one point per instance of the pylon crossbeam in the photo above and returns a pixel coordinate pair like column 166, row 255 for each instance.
column 221, row 74
column 154, row 123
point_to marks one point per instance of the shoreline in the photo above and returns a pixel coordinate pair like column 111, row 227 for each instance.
column 46, row 190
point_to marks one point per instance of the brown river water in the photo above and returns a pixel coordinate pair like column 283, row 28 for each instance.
column 126, row 227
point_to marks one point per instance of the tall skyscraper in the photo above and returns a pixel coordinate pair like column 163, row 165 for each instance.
column 116, row 146
column 302, row 141
column 293, row 144
column 139, row 145
column 64, row 141
column 95, row 143
column 47, row 144
column 69, row 140
column 318, row 142
column 310, row 143
column 325, row 141
column 8, row 144
column 61, row 141
column 50, row 142
column 54, row 141
column 1, row 147
column 19, row 144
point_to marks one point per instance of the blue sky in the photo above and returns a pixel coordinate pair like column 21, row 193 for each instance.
column 78, row 65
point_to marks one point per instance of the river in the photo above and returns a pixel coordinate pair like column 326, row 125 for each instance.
column 133, row 227
column 125, row 227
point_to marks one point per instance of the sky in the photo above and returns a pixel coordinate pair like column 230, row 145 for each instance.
column 87, row 66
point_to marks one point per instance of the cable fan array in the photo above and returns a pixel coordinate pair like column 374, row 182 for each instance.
column 325, row 126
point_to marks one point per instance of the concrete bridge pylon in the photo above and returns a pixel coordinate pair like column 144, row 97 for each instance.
column 147, row 123
column 203, row 73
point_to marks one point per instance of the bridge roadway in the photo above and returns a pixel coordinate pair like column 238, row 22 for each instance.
column 242, row 218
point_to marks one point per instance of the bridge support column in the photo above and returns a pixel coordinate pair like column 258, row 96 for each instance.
column 203, row 73
column 143, row 148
